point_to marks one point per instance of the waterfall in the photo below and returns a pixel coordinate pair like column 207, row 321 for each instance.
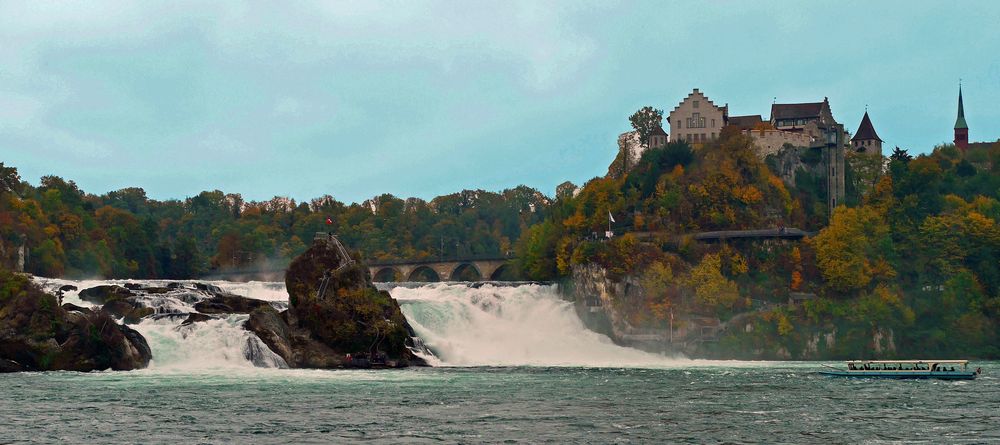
column 509, row 326
column 462, row 325
column 213, row 344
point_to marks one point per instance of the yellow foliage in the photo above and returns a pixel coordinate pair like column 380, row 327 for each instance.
column 796, row 281
column 784, row 325
column 748, row 194
column 711, row 288
column 847, row 250
column 678, row 171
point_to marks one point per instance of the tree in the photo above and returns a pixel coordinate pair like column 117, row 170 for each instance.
column 850, row 252
column 711, row 288
column 899, row 154
column 645, row 121
column 9, row 179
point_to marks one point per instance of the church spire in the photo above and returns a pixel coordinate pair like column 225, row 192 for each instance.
column 961, row 128
column 960, row 122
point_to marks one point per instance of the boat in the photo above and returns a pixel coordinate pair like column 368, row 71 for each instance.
column 906, row 369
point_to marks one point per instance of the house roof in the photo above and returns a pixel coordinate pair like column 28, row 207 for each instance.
column 658, row 131
column 866, row 131
column 746, row 122
column 797, row 111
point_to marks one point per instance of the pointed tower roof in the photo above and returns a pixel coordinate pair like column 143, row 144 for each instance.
column 960, row 122
column 866, row 131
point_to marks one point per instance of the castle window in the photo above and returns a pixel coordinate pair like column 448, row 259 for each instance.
column 713, row 123
column 703, row 137
column 696, row 121
column 694, row 104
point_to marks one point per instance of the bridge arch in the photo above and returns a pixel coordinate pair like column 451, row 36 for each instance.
column 499, row 273
column 466, row 272
column 424, row 274
column 387, row 274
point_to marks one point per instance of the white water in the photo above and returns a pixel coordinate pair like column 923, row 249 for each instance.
column 206, row 345
column 464, row 326
column 510, row 326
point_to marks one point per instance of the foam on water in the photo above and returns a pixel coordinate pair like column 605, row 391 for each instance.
column 203, row 346
column 510, row 326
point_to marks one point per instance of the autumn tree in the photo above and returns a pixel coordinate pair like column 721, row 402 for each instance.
column 711, row 288
column 852, row 250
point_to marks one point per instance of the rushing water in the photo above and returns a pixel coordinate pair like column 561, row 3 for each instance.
column 516, row 366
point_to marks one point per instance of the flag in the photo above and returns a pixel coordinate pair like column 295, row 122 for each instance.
column 612, row 218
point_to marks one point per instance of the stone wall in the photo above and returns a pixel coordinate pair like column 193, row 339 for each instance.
column 769, row 141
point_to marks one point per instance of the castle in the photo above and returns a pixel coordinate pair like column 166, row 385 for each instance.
column 805, row 126
column 697, row 120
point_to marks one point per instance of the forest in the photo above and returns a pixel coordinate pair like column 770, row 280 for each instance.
column 124, row 234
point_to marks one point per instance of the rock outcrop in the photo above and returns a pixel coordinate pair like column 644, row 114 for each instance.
column 223, row 303
column 36, row 334
column 336, row 318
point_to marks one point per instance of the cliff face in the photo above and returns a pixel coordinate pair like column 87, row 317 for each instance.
column 36, row 334
column 337, row 318
column 755, row 335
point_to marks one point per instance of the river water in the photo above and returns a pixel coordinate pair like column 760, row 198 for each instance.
column 513, row 365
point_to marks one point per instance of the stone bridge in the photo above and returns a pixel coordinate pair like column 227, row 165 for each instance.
column 441, row 269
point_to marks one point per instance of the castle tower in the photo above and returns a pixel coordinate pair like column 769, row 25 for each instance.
column 961, row 128
column 866, row 140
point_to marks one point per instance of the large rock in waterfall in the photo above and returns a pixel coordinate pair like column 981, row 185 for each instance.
column 336, row 318
column 36, row 334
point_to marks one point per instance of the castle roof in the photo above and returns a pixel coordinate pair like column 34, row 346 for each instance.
column 745, row 122
column 658, row 131
column 960, row 122
column 798, row 111
column 866, row 131
column 724, row 109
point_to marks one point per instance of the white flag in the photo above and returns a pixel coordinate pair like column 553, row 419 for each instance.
column 612, row 218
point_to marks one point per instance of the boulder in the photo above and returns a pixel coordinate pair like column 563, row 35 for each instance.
column 127, row 309
column 195, row 317
column 335, row 311
column 223, row 303
column 10, row 366
column 104, row 293
column 36, row 334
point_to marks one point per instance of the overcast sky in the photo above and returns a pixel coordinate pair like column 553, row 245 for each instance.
column 420, row 99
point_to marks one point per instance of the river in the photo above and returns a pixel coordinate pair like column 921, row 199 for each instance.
column 513, row 364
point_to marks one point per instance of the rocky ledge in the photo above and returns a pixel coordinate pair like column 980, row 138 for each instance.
column 37, row 334
column 336, row 317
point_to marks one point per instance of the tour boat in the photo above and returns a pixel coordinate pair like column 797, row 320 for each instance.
column 907, row 369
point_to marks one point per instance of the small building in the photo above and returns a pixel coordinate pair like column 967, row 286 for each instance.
column 865, row 140
column 657, row 138
column 697, row 119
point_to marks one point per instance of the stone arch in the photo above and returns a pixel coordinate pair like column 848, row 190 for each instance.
column 424, row 274
column 466, row 272
column 387, row 274
column 499, row 272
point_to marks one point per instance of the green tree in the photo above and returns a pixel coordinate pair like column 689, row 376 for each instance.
column 645, row 120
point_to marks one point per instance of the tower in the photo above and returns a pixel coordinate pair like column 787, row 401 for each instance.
column 961, row 128
column 866, row 140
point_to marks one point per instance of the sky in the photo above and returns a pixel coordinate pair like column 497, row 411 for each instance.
column 425, row 98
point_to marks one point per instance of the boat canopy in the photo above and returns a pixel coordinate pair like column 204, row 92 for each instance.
column 909, row 361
